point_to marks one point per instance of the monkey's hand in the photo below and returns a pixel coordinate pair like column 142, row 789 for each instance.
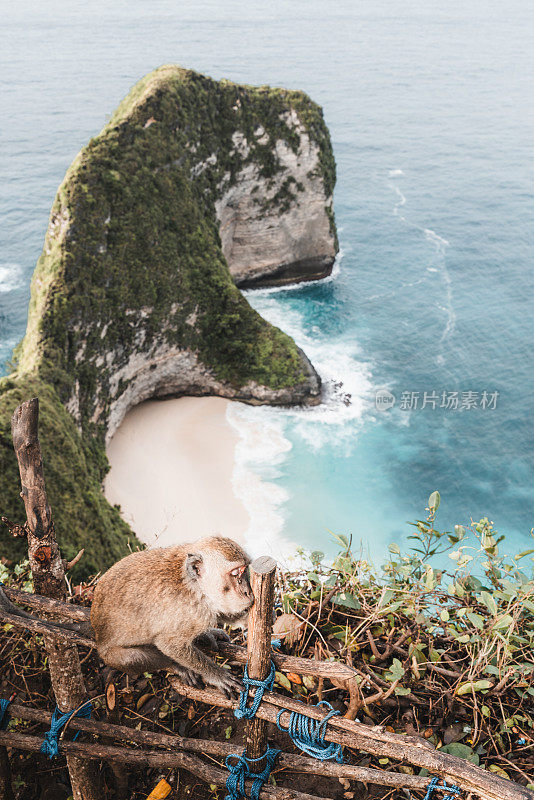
column 188, row 677
column 227, row 683
column 211, row 638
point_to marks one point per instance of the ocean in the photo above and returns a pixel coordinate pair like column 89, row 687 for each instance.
column 430, row 303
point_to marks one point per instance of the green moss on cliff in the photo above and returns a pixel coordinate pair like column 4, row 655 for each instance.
column 74, row 469
column 132, row 263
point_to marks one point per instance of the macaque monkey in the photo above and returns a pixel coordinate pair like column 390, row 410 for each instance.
column 153, row 608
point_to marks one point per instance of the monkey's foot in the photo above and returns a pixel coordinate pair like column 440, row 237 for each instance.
column 211, row 638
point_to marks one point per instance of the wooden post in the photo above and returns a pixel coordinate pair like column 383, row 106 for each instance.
column 260, row 623
column 48, row 573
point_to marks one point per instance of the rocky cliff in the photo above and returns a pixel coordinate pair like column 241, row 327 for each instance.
column 193, row 186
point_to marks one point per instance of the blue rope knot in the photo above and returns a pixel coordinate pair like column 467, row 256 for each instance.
column 240, row 771
column 4, row 704
column 242, row 712
column 308, row 734
column 453, row 790
column 50, row 745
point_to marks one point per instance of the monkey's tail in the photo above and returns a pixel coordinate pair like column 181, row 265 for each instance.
column 83, row 628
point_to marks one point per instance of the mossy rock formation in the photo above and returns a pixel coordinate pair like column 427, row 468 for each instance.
column 193, row 186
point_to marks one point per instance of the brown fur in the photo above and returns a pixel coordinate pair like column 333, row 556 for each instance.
column 151, row 606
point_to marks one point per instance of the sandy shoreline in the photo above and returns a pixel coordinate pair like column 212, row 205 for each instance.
column 172, row 463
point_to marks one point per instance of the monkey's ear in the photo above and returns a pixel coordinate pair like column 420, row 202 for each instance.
column 193, row 566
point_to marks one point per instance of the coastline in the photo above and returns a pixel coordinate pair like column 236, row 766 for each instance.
column 172, row 466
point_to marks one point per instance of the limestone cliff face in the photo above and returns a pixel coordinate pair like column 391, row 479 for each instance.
column 193, row 186
column 281, row 230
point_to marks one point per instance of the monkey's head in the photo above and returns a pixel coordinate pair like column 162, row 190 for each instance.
column 219, row 569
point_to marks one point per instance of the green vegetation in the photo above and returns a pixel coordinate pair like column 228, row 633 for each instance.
column 441, row 637
column 132, row 264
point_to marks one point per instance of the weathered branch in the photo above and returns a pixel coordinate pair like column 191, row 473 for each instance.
column 380, row 742
column 49, row 579
column 213, row 747
column 283, row 662
column 147, row 758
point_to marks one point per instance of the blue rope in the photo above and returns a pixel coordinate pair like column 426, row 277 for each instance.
column 242, row 712
column 308, row 734
column 454, row 791
column 276, row 644
column 50, row 745
column 240, row 771
column 3, row 714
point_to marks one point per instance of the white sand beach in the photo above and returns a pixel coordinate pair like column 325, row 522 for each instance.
column 171, row 471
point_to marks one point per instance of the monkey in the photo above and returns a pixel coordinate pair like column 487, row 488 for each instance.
column 154, row 608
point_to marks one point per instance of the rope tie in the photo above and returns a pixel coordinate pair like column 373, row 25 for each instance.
column 4, row 704
column 242, row 712
column 50, row 745
column 240, row 771
column 453, row 790
column 308, row 734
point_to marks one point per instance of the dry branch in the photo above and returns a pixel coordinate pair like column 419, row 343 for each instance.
column 146, row 758
column 288, row 761
column 377, row 741
column 283, row 662
column 49, row 579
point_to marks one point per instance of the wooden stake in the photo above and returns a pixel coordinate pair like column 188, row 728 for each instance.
column 49, row 580
column 260, row 623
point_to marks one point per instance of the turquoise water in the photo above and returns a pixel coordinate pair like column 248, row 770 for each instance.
column 431, row 115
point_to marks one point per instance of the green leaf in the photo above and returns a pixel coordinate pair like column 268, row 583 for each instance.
column 503, row 622
column 430, row 581
column 445, row 616
column 475, row 619
column 394, row 548
column 461, row 751
column 347, row 600
column 434, row 501
column 523, row 554
column 489, row 602
column 281, row 680
column 473, row 686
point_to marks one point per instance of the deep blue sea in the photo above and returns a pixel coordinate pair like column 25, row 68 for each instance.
column 430, row 108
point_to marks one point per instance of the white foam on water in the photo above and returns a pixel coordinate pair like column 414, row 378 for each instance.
column 432, row 236
column 264, row 431
column 395, row 173
column 448, row 307
column 441, row 245
column 10, row 277
column 261, row 448
column 398, row 206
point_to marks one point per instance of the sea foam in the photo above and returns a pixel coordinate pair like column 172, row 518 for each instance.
column 11, row 277
column 266, row 433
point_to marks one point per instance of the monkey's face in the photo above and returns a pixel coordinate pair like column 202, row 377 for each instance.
column 225, row 584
